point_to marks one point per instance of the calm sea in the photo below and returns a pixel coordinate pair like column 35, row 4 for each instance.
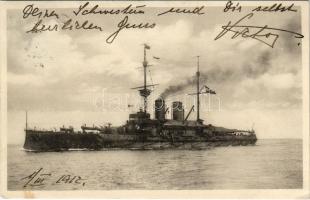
column 270, row 164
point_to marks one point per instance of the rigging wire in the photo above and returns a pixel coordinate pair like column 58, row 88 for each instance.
column 151, row 78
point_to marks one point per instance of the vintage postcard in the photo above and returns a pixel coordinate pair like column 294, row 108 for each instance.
column 154, row 99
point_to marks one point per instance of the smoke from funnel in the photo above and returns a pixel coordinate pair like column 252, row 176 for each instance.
column 219, row 75
column 214, row 76
column 176, row 88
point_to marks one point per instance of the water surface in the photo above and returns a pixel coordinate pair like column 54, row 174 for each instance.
column 270, row 164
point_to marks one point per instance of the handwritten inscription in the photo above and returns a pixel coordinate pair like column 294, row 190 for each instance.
column 129, row 10
column 277, row 7
column 68, row 25
column 72, row 24
column 124, row 24
column 196, row 11
column 37, row 178
column 230, row 6
column 265, row 34
column 30, row 10
column 69, row 179
column 40, row 178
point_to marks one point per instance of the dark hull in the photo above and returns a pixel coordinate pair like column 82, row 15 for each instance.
column 53, row 141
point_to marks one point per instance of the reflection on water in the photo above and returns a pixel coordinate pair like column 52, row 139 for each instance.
column 270, row 164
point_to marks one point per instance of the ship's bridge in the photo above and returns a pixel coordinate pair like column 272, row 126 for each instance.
column 139, row 116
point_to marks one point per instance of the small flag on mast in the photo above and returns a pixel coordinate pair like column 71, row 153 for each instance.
column 147, row 46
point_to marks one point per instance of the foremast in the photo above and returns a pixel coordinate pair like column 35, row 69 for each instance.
column 144, row 90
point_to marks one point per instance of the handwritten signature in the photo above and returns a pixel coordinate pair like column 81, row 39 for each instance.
column 263, row 34
column 40, row 178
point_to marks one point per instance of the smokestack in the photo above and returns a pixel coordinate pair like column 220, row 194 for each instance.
column 177, row 111
column 160, row 109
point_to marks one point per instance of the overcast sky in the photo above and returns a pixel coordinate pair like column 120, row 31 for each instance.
column 61, row 77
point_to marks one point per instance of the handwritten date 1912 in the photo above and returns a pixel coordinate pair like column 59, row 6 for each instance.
column 70, row 179
column 39, row 178
column 264, row 34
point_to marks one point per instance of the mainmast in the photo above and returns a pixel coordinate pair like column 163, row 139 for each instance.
column 203, row 90
column 145, row 92
column 198, row 92
column 26, row 120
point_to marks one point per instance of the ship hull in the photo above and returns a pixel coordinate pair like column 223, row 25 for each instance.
column 57, row 141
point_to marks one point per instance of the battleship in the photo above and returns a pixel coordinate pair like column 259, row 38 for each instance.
column 141, row 132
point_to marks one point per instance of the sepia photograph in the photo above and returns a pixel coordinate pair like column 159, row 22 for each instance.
column 155, row 96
